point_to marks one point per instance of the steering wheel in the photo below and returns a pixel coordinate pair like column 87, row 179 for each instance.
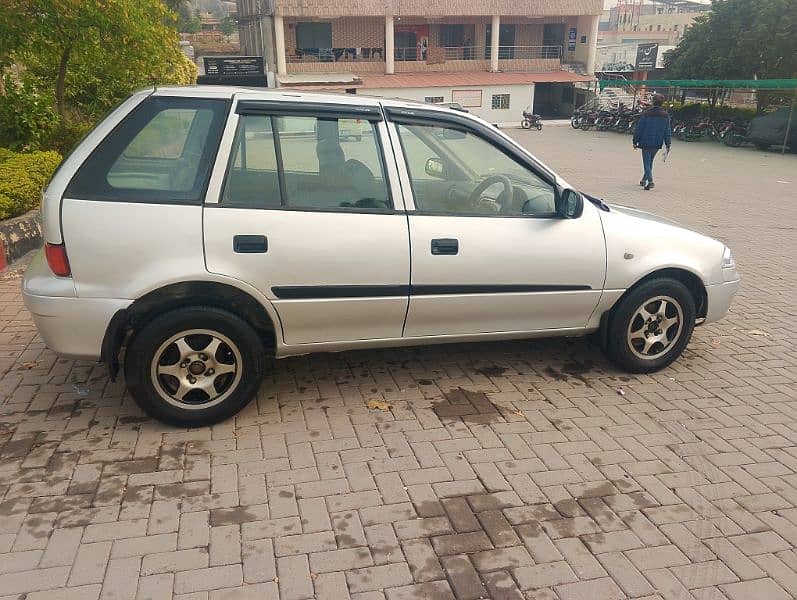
column 504, row 199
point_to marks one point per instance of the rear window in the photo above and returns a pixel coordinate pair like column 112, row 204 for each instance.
column 162, row 152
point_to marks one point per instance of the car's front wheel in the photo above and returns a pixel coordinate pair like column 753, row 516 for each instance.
column 194, row 366
column 651, row 326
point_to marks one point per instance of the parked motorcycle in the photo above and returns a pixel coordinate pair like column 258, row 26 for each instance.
column 531, row 120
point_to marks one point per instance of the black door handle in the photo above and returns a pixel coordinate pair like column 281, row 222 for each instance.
column 249, row 244
column 449, row 246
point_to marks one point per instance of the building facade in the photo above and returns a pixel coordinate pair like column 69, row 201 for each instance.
column 649, row 21
column 432, row 49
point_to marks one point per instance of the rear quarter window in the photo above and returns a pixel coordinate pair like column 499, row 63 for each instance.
column 162, row 152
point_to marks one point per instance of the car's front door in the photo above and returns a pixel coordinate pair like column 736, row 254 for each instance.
column 489, row 251
column 308, row 218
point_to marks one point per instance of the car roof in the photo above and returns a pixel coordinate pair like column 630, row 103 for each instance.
column 291, row 95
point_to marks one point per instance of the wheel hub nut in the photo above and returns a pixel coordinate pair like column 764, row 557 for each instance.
column 196, row 368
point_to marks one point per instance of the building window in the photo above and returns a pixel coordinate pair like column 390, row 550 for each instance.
column 500, row 101
column 311, row 35
column 658, row 27
column 675, row 27
column 434, row 99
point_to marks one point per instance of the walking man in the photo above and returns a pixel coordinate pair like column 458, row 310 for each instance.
column 652, row 132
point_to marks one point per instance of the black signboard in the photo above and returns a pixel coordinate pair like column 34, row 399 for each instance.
column 234, row 66
column 646, row 55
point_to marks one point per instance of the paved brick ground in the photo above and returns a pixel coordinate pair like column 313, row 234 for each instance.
column 507, row 470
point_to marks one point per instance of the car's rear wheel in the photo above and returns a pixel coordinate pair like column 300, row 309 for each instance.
column 651, row 326
column 194, row 366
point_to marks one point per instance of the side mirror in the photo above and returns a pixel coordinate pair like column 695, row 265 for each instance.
column 435, row 168
column 571, row 204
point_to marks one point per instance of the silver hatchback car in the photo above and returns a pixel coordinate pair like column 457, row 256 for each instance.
column 197, row 231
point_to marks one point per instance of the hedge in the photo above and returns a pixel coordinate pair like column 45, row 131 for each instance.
column 22, row 178
column 696, row 110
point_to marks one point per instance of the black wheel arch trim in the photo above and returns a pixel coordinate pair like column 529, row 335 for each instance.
column 112, row 341
column 692, row 282
column 125, row 322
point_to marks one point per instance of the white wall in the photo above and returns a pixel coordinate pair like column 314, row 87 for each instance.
column 520, row 96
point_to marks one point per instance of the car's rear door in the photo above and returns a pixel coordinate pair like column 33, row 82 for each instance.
column 309, row 219
column 482, row 263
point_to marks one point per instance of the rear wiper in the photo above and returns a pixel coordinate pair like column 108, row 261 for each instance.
column 597, row 202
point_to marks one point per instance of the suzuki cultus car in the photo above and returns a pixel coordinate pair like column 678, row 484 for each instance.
column 197, row 231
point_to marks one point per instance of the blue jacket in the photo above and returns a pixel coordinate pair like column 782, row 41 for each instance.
column 653, row 129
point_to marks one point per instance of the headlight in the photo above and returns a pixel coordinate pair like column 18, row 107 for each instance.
column 727, row 259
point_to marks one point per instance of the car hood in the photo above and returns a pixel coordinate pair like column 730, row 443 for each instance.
column 641, row 214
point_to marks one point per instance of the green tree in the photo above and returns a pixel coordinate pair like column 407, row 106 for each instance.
column 739, row 39
column 191, row 26
column 91, row 53
column 227, row 26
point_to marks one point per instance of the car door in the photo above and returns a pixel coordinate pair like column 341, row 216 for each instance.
column 308, row 218
column 490, row 251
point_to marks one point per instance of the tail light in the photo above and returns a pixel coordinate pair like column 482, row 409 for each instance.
column 57, row 259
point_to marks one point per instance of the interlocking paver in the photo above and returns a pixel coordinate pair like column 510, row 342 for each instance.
column 464, row 579
column 755, row 589
column 501, row 467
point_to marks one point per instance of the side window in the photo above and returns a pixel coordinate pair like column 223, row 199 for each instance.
column 164, row 136
column 331, row 164
column 457, row 172
column 252, row 176
column 162, row 152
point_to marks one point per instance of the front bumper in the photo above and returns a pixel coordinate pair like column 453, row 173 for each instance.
column 720, row 296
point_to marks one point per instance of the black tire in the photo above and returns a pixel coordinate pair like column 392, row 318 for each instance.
column 625, row 352
column 233, row 390
column 525, row 124
column 539, row 126
column 734, row 140
column 575, row 122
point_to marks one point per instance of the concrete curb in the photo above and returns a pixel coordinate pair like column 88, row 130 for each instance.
column 18, row 236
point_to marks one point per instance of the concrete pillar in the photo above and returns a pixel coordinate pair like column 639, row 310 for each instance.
column 494, row 38
column 390, row 52
column 592, row 44
column 267, row 42
column 279, row 42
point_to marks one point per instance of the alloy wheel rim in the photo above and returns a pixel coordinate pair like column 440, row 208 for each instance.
column 196, row 369
column 655, row 327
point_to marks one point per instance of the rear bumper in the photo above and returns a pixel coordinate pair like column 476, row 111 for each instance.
column 720, row 297
column 71, row 326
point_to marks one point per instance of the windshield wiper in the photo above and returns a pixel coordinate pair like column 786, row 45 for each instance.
column 597, row 202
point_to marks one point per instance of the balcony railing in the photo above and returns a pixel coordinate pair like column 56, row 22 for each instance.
column 527, row 52
column 438, row 54
column 336, row 55
column 441, row 54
